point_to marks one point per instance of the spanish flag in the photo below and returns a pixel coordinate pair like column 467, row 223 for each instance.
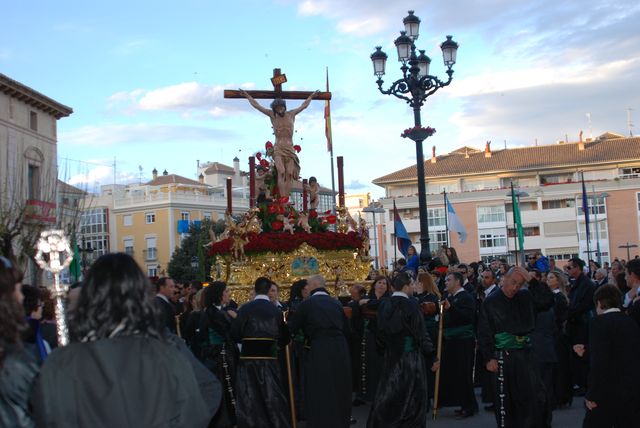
column 327, row 119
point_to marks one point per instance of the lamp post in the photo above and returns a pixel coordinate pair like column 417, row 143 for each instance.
column 375, row 210
column 415, row 86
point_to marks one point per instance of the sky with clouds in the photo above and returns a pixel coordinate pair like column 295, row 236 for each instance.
column 145, row 79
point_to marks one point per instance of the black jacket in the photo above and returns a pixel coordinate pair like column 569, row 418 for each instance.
column 17, row 374
column 168, row 313
column 130, row 381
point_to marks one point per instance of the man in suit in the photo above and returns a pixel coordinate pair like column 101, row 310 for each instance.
column 458, row 348
column 166, row 289
column 260, row 396
column 328, row 367
column 581, row 310
column 614, row 350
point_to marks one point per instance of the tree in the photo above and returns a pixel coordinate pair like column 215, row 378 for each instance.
column 192, row 248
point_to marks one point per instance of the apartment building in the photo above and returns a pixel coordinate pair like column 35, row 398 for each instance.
column 549, row 177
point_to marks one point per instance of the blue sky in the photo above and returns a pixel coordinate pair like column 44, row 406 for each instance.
column 145, row 78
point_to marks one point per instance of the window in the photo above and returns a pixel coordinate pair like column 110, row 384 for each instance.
column 523, row 205
column 33, row 182
column 128, row 246
column 556, row 178
column 94, row 221
column 492, row 214
column 638, row 198
column 596, row 205
column 528, row 231
column 602, row 231
column 128, row 220
column 151, row 218
column 152, row 271
column 185, row 215
column 629, row 172
column 33, row 121
column 152, row 251
column 206, row 215
column 436, row 239
column 436, row 216
column 490, row 238
column 558, row 204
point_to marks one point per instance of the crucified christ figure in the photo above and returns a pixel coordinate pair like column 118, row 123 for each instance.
column 284, row 155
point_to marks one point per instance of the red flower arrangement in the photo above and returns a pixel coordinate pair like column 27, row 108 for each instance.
column 297, row 148
column 268, row 145
column 278, row 242
column 277, row 225
column 418, row 132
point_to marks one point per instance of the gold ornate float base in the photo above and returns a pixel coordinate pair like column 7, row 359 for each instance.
column 340, row 268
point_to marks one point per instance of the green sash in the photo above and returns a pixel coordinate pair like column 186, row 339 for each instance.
column 507, row 341
column 215, row 338
column 408, row 344
column 461, row 332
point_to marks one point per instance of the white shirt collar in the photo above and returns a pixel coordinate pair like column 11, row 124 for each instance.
column 460, row 290
column 262, row 297
column 556, row 291
column 400, row 294
column 489, row 290
column 319, row 293
column 163, row 297
column 610, row 310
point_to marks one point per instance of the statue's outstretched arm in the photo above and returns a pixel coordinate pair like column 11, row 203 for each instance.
column 254, row 103
column 305, row 104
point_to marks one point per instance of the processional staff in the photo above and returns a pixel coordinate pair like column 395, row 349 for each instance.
column 438, row 356
column 54, row 255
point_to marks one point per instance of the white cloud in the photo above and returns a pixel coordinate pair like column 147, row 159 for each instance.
column 101, row 135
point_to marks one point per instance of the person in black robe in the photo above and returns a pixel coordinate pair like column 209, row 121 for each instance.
column 581, row 310
column 486, row 379
column 507, row 318
column 356, row 342
column 400, row 398
column 327, row 369
column 214, row 347
column 456, row 381
column 299, row 347
column 260, row 397
column 614, row 350
column 562, row 383
column 120, row 370
column 372, row 357
column 428, row 297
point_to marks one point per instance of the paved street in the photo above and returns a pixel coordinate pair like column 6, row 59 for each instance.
column 564, row 418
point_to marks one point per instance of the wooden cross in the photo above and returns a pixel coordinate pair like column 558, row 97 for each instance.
column 277, row 80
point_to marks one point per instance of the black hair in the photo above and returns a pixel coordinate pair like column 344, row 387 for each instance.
column 161, row 282
column 116, row 298
column 262, row 285
column 213, row 293
column 400, row 281
column 31, row 298
column 577, row 261
column 296, row 289
column 278, row 102
column 12, row 321
column 609, row 297
column 633, row 266
column 458, row 276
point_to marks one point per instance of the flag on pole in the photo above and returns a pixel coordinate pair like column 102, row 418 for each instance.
column 585, row 209
column 454, row 222
column 75, row 268
column 402, row 237
column 327, row 119
column 517, row 219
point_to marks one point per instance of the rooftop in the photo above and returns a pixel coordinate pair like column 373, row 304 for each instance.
column 162, row 180
column 607, row 148
column 32, row 97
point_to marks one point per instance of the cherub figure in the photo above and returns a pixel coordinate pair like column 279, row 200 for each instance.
column 303, row 222
column 314, row 189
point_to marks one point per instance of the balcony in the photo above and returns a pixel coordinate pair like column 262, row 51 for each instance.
column 41, row 211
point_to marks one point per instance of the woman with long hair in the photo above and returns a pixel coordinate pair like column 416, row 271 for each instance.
column 119, row 369
column 217, row 350
column 18, row 368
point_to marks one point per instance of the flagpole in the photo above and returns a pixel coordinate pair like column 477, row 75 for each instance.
column 585, row 209
column 446, row 215
column 515, row 226
column 395, row 235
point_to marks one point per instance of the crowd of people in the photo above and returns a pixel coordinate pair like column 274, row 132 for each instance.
column 160, row 353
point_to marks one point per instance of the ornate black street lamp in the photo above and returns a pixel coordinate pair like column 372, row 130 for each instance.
column 415, row 86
